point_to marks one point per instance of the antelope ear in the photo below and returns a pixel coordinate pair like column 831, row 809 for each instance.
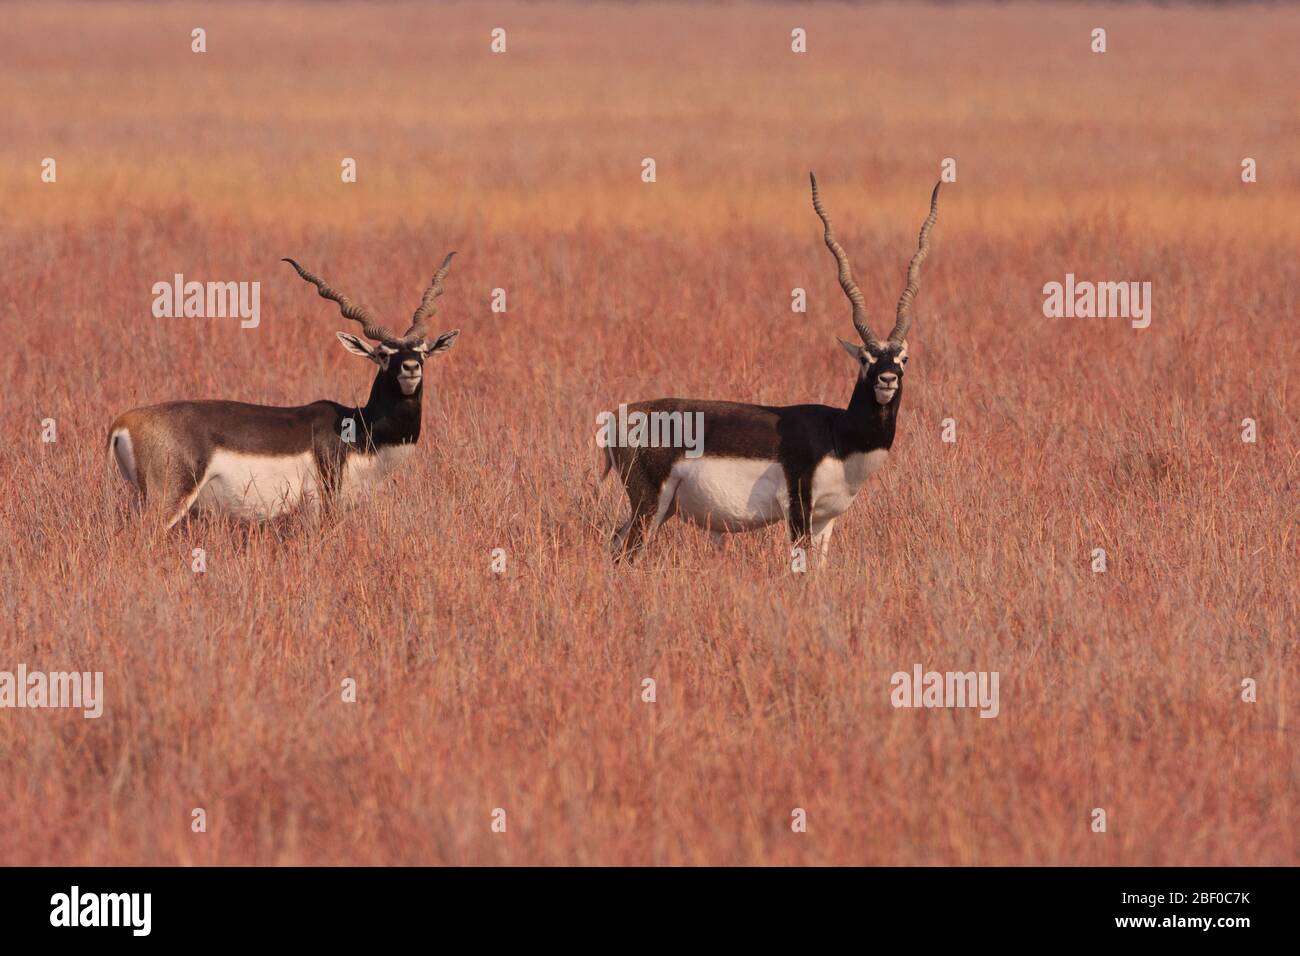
column 356, row 346
column 855, row 350
column 441, row 343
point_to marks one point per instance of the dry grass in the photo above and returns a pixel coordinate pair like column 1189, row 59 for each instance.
column 477, row 691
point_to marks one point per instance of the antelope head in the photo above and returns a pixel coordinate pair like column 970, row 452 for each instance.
column 400, row 357
column 881, row 363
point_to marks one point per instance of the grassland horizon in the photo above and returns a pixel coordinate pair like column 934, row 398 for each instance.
column 522, row 690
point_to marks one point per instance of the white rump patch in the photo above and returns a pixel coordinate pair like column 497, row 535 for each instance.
column 735, row 494
column 257, row 486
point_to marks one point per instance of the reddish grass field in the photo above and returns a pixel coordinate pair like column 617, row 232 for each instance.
column 521, row 691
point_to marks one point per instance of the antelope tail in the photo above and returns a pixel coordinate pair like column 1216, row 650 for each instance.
column 606, row 463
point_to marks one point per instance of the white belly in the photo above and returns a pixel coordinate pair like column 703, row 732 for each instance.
column 735, row 494
column 362, row 473
column 255, row 486
column 836, row 482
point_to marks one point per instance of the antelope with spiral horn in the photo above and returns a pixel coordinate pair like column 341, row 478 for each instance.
column 259, row 461
column 760, row 464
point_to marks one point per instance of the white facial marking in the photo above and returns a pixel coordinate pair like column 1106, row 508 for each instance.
column 736, row 494
column 362, row 473
column 256, row 486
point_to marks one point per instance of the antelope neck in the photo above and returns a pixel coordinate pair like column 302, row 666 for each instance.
column 866, row 425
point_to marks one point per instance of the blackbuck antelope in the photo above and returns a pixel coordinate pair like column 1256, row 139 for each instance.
column 258, row 461
column 802, row 464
